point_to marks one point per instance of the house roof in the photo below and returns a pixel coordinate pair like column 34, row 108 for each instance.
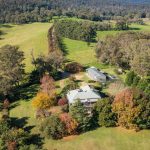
column 85, row 93
column 95, row 72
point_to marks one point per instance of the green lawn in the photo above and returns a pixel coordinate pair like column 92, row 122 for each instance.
column 104, row 139
column 28, row 37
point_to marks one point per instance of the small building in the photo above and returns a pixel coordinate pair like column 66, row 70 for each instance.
column 96, row 75
column 87, row 95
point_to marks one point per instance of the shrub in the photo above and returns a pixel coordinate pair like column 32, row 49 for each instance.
column 70, row 123
column 62, row 102
column 73, row 67
column 41, row 113
column 52, row 127
column 65, row 108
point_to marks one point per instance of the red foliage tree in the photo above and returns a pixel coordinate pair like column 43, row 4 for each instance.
column 62, row 102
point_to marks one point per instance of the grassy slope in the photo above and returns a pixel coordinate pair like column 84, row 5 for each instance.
column 28, row 37
column 104, row 139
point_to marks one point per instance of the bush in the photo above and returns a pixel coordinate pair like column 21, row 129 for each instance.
column 62, row 102
column 73, row 67
column 52, row 127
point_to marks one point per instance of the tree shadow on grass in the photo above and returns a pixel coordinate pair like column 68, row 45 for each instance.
column 19, row 122
column 25, row 93
column 6, row 26
column 35, row 139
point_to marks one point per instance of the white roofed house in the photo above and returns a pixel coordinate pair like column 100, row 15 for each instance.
column 95, row 74
column 87, row 95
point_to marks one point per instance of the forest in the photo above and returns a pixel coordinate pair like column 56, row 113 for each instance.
column 20, row 11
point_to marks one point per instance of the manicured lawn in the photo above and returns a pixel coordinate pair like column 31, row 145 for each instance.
column 28, row 37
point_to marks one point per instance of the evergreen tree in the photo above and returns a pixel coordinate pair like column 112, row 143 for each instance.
column 79, row 113
column 11, row 68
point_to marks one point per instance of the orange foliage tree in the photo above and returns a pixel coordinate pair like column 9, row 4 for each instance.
column 126, row 108
column 70, row 124
column 43, row 101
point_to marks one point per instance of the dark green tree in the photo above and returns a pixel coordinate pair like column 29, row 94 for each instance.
column 52, row 127
column 107, row 118
column 79, row 113
column 11, row 68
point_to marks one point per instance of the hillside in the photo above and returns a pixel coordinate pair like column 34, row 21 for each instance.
column 27, row 37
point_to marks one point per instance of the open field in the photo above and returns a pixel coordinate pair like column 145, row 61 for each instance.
column 28, row 37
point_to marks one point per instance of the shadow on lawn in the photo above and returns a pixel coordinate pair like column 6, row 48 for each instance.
column 25, row 93
column 35, row 139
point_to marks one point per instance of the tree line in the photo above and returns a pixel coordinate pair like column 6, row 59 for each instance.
column 77, row 30
column 14, row 11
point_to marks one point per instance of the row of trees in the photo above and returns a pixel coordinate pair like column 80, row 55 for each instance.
column 31, row 10
column 129, row 50
column 78, row 30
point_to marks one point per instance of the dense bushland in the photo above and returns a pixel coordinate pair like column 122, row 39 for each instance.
column 129, row 50
column 20, row 11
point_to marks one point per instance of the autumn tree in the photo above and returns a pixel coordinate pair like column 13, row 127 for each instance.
column 70, row 123
column 129, row 106
column 11, row 68
column 47, row 85
column 43, row 101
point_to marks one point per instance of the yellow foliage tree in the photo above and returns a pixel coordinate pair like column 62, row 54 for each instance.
column 43, row 101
